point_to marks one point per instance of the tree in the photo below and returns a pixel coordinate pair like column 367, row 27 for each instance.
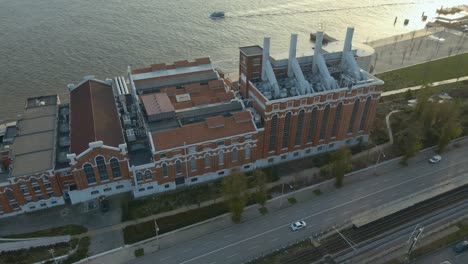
column 423, row 99
column 341, row 164
column 409, row 141
column 450, row 126
column 260, row 185
column 235, row 194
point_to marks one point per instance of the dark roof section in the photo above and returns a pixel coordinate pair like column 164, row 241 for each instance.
column 252, row 50
column 93, row 116
column 197, row 77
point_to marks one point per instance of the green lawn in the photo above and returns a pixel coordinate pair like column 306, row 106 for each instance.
column 429, row 72
column 56, row 231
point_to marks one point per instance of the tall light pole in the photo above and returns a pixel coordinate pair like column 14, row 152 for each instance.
column 378, row 159
column 413, row 239
column 51, row 251
column 282, row 192
column 156, row 228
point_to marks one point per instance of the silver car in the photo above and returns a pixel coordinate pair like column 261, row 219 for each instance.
column 298, row 225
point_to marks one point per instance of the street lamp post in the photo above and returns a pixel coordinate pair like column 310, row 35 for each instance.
column 282, row 192
column 156, row 228
column 51, row 251
column 378, row 159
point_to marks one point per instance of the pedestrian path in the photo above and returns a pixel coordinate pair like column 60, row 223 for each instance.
column 414, row 88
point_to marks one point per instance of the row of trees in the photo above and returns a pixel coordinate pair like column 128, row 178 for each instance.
column 431, row 122
column 236, row 190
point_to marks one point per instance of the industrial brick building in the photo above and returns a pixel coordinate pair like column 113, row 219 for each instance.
column 167, row 126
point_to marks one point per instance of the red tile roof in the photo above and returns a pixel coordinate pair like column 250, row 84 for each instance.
column 93, row 116
column 201, row 132
column 157, row 103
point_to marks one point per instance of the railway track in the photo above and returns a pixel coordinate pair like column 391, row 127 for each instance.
column 336, row 244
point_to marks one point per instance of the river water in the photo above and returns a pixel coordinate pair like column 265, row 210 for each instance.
column 46, row 44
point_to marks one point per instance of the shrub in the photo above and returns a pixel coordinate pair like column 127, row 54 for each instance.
column 263, row 210
column 139, row 252
column 292, row 200
column 56, row 231
column 317, row 192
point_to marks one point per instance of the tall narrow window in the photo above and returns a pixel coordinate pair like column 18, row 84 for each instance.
column 353, row 116
column 323, row 128
column 365, row 114
column 89, row 174
column 273, row 130
column 12, row 199
column 247, row 152
column 207, row 161
column 312, row 125
column 336, row 122
column 193, row 163
column 287, row 126
column 300, row 126
column 115, row 167
column 101, row 165
column 234, row 155
column 220, row 158
column 178, row 165
column 148, row 175
column 24, row 188
column 164, row 170
column 139, row 177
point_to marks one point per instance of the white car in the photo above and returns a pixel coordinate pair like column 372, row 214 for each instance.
column 298, row 225
column 435, row 159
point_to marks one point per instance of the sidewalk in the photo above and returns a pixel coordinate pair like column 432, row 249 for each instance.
column 403, row 90
column 405, row 36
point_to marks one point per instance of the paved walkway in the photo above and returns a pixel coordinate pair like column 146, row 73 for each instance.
column 33, row 242
column 414, row 88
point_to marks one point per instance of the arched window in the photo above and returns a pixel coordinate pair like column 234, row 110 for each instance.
column 45, row 178
column 300, row 126
column 287, row 126
column 365, row 114
column 247, row 152
column 24, row 187
column 10, row 195
column 207, row 161
column 89, row 174
column 101, row 165
column 273, row 129
column 193, row 163
column 139, row 177
column 234, row 155
column 323, row 128
column 220, row 158
column 33, row 181
column 178, row 165
column 312, row 125
column 148, row 175
column 164, row 170
column 336, row 122
column 353, row 116
column 115, row 167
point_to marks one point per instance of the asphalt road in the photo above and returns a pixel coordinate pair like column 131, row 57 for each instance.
column 445, row 254
column 421, row 49
column 248, row 240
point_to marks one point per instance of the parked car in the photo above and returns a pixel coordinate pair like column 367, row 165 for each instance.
column 435, row 159
column 298, row 225
column 460, row 247
column 105, row 205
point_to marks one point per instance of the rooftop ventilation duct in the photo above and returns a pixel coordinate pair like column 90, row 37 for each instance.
column 294, row 69
column 267, row 69
column 348, row 62
column 319, row 66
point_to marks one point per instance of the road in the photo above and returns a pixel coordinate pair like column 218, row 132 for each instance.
column 445, row 254
column 243, row 242
column 418, row 50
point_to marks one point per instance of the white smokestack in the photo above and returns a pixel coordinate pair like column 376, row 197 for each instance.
column 292, row 54
column 266, row 56
column 348, row 39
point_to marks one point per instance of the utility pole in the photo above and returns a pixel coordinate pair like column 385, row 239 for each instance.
column 350, row 243
column 413, row 239
column 156, row 228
